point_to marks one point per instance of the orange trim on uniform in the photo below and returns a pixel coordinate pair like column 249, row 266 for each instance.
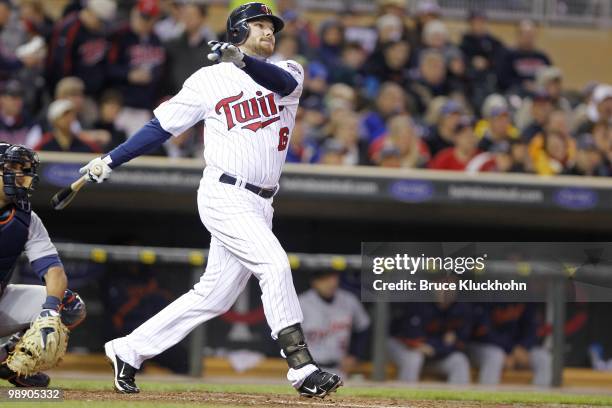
column 9, row 218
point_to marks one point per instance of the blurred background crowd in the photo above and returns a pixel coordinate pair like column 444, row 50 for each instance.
column 396, row 93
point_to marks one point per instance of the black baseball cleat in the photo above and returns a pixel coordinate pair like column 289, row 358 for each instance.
column 35, row 380
column 319, row 384
column 123, row 372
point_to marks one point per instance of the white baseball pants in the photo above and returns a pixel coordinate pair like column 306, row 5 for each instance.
column 242, row 244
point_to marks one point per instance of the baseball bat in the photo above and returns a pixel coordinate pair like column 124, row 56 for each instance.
column 63, row 197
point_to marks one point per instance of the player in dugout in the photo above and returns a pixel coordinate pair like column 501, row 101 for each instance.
column 335, row 323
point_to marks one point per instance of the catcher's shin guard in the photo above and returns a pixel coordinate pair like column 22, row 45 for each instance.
column 293, row 347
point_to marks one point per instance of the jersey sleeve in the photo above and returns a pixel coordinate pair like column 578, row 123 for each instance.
column 297, row 72
column 186, row 108
column 40, row 251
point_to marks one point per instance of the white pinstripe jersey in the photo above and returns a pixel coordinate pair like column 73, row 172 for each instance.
column 247, row 127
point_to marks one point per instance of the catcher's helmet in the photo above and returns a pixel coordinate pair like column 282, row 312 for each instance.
column 237, row 22
column 18, row 161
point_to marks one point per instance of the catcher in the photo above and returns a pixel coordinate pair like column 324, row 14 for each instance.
column 37, row 319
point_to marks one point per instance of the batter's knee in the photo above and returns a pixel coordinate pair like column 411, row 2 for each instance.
column 72, row 310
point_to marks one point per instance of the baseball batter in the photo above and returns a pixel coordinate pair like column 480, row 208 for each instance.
column 248, row 107
column 21, row 230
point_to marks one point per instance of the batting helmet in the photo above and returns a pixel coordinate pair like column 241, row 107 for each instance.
column 237, row 22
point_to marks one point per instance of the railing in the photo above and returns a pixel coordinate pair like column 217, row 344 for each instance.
column 196, row 259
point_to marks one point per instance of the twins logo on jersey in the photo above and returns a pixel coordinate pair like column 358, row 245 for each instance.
column 249, row 110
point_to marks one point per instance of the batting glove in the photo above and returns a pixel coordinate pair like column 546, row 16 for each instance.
column 98, row 170
column 225, row 52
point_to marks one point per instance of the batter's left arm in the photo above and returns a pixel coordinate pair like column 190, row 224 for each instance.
column 270, row 76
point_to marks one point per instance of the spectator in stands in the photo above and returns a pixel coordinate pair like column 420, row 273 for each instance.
column 302, row 149
column 552, row 152
column 350, row 71
column 61, row 138
column 442, row 134
column 79, row 46
column 402, row 138
column 497, row 159
column 315, row 83
column 394, row 64
column 346, row 136
column 459, row 83
column 580, row 114
column 73, row 89
column 482, row 52
column 589, row 160
column 16, row 125
column 436, row 37
column 599, row 109
column 19, row 58
column 12, row 31
column 335, row 323
column 389, row 157
column 137, row 60
column 287, row 48
column 541, row 108
column 520, row 65
column 549, row 80
column 429, row 81
column 434, row 335
column 391, row 100
column 332, row 152
column 301, row 28
column 35, row 19
column 387, row 30
column 505, row 337
column 465, row 148
column 332, row 43
column 111, row 104
column 169, row 26
column 426, row 11
column 193, row 41
column 602, row 135
column 496, row 125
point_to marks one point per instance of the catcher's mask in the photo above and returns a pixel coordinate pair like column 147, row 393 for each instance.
column 238, row 21
column 19, row 170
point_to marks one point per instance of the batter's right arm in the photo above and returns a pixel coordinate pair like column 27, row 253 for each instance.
column 149, row 137
column 172, row 117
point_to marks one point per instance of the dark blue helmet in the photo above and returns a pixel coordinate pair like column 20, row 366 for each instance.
column 237, row 22
column 17, row 161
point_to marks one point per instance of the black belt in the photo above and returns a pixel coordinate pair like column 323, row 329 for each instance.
column 260, row 191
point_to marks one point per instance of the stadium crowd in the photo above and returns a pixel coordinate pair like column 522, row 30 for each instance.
column 398, row 93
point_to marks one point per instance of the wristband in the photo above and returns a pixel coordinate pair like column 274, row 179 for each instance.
column 52, row 302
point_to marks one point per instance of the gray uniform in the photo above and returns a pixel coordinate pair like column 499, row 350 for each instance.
column 328, row 325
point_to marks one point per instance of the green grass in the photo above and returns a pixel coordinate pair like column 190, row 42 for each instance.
column 407, row 394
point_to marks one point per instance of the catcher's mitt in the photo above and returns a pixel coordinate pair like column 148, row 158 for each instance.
column 41, row 347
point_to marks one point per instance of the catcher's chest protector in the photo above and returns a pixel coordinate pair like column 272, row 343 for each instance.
column 13, row 237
